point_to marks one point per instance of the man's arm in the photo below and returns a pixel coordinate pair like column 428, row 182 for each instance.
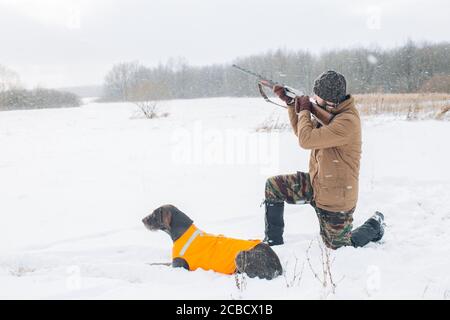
column 337, row 133
column 293, row 118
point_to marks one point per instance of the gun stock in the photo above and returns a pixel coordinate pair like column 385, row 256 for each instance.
column 322, row 116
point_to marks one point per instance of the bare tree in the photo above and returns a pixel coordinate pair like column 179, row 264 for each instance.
column 8, row 79
column 122, row 79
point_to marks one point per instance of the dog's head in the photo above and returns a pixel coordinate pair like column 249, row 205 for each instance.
column 160, row 219
column 168, row 219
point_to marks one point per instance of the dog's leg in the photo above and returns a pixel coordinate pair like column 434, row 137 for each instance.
column 180, row 263
column 261, row 262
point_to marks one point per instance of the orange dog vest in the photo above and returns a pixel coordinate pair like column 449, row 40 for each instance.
column 210, row 252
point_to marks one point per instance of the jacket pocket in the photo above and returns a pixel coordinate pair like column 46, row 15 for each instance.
column 332, row 196
column 331, row 176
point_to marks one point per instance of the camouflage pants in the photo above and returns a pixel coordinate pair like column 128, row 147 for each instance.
column 335, row 227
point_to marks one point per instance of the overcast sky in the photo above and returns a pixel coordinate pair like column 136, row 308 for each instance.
column 74, row 42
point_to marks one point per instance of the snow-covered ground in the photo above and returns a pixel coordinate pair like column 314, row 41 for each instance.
column 75, row 184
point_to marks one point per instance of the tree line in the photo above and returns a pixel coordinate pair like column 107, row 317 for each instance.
column 409, row 68
column 39, row 98
column 14, row 97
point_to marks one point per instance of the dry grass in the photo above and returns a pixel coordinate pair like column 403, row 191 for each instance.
column 410, row 106
column 296, row 277
column 324, row 274
column 441, row 114
column 392, row 98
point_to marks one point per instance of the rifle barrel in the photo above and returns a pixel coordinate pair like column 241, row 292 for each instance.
column 260, row 77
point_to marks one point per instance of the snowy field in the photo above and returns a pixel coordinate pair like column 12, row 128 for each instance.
column 75, row 184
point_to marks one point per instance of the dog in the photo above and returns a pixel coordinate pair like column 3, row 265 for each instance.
column 193, row 248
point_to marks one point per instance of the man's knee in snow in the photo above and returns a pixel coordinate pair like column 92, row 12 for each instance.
column 270, row 189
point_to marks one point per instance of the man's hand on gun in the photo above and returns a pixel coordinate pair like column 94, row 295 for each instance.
column 300, row 103
column 281, row 93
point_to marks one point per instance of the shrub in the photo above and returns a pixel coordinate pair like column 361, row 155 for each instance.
column 17, row 99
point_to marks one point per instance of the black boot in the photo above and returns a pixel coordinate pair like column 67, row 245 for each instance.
column 371, row 230
column 274, row 223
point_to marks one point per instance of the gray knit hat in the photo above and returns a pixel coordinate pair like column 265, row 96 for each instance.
column 331, row 86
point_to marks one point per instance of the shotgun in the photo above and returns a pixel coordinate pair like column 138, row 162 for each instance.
column 321, row 115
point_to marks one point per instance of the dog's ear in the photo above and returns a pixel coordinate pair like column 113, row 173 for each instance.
column 166, row 218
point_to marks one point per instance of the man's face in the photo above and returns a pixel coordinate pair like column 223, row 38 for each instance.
column 322, row 103
column 319, row 101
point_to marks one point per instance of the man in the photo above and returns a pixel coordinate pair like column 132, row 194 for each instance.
column 331, row 186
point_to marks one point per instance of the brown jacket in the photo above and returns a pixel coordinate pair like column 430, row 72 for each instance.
column 335, row 155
